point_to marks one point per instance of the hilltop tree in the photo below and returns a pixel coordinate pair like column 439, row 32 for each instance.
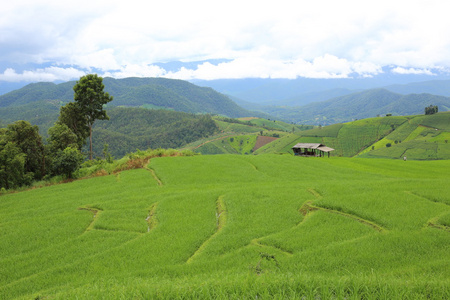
column 90, row 98
column 432, row 109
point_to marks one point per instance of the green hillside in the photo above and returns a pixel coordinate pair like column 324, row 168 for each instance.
column 416, row 137
column 234, row 227
column 160, row 93
column 422, row 137
column 240, row 136
column 128, row 128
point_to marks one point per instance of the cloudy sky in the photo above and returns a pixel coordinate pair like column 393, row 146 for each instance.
column 46, row 40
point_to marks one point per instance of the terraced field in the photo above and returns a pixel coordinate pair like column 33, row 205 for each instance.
column 415, row 137
column 229, row 226
column 421, row 138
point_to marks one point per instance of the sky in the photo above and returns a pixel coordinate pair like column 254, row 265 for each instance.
column 46, row 40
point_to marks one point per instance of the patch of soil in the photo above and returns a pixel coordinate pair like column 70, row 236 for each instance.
column 262, row 140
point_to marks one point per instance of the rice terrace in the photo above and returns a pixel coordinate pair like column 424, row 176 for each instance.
column 233, row 226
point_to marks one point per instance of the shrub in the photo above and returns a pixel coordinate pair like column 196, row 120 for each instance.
column 67, row 162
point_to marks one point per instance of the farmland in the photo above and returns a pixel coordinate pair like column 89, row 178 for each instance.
column 232, row 226
column 417, row 137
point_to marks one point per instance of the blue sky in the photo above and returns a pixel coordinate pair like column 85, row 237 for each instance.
column 43, row 40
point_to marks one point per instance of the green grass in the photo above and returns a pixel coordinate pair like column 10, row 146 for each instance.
column 439, row 121
column 243, row 144
column 234, row 226
column 329, row 131
column 237, row 128
column 417, row 137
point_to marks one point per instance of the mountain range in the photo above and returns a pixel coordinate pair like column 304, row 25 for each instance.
column 359, row 105
column 37, row 101
column 159, row 93
column 301, row 91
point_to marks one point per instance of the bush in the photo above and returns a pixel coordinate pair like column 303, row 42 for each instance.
column 388, row 145
column 67, row 162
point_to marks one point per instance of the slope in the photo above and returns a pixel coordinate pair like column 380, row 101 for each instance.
column 244, row 136
column 163, row 93
column 420, row 137
column 228, row 227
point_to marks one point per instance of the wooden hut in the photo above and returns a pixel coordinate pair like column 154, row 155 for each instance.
column 311, row 149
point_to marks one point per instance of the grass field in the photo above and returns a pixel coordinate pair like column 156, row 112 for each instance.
column 231, row 226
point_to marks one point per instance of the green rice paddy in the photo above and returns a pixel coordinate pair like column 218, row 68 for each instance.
column 234, row 227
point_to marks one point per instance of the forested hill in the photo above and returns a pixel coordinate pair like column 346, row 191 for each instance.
column 162, row 93
column 130, row 128
column 360, row 105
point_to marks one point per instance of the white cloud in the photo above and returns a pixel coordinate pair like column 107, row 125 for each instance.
column 48, row 74
column 282, row 39
column 103, row 59
column 137, row 71
column 400, row 70
column 327, row 66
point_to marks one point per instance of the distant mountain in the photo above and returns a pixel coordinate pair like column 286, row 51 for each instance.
column 301, row 91
column 315, row 97
column 160, row 93
column 366, row 104
column 436, row 87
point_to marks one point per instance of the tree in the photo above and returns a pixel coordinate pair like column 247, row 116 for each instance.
column 26, row 137
column 21, row 155
column 90, row 98
column 67, row 162
column 432, row 109
column 71, row 116
column 61, row 137
column 12, row 167
column 106, row 155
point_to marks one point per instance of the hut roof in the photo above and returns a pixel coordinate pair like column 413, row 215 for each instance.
column 325, row 149
column 307, row 145
column 317, row 146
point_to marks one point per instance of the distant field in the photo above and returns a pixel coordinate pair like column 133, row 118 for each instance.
column 416, row 137
column 420, row 138
column 234, row 227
